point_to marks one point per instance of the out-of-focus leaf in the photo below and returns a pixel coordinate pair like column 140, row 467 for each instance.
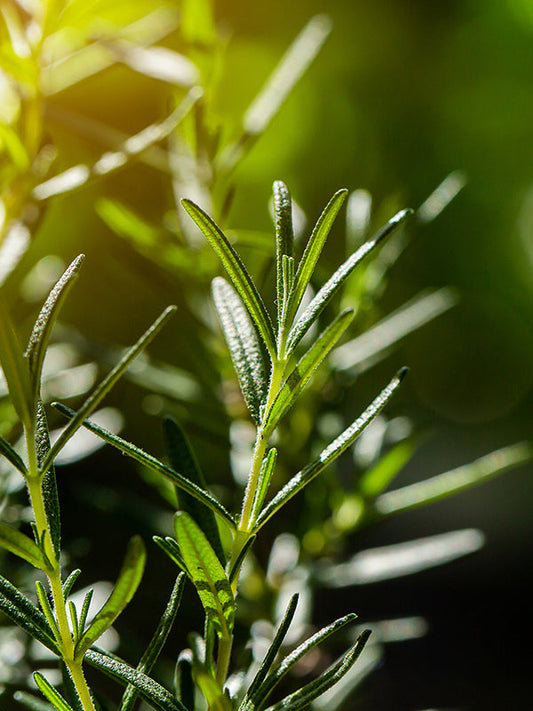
column 442, row 485
column 441, row 197
column 290, row 69
column 10, row 140
column 13, row 248
column 331, row 452
column 396, row 561
column 31, row 702
column 9, row 453
column 377, row 478
column 207, row 574
column 125, row 588
column 243, row 343
column 212, row 690
column 15, row 367
column 198, row 21
column 237, row 272
column 365, row 350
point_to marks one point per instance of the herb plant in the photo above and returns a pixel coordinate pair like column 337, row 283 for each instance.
column 273, row 367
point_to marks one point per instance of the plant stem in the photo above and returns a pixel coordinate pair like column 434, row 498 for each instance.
column 53, row 572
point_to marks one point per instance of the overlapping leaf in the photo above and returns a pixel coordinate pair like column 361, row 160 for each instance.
column 243, row 345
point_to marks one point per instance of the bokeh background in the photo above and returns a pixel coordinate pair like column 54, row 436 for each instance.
column 402, row 94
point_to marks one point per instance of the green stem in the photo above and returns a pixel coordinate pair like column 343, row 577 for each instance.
column 54, row 578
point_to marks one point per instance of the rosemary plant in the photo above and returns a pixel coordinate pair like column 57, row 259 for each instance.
column 273, row 367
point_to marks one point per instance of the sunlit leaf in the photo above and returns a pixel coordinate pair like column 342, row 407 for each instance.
column 149, row 690
column 54, row 697
column 378, row 477
column 19, row 544
column 451, row 482
column 125, row 588
column 243, row 343
column 331, row 287
column 332, row 451
column 15, row 367
column 207, row 574
column 306, row 366
column 48, row 482
column 236, row 270
column 284, row 237
column 42, row 329
column 265, row 475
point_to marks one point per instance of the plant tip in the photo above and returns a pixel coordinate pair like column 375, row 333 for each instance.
column 402, row 373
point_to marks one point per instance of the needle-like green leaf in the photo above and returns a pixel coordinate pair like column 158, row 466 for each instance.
column 306, row 366
column 126, row 585
column 24, row 614
column 155, row 646
column 32, row 702
column 451, row 482
column 42, row 329
column 169, row 546
column 9, row 453
column 19, row 544
column 332, row 451
column 264, row 690
column 236, row 271
column 48, row 484
column 15, row 367
column 334, row 283
column 207, row 574
column 284, row 238
column 183, row 681
column 274, row 648
column 48, row 691
column 152, row 463
column 378, row 477
column 46, row 608
column 303, row 697
column 69, row 582
column 182, row 459
column 265, row 475
column 313, row 250
column 105, row 386
column 243, row 344
column 153, row 693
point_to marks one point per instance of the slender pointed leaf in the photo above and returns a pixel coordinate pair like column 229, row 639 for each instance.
column 149, row 690
column 40, row 334
column 125, row 588
column 19, row 544
column 274, row 648
column 105, row 386
column 265, row 475
column 183, row 681
column 312, row 251
column 15, row 367
column 235, row 568
column 207, row 574
column 155, row 646
column 155, row 465
column 48, row 691
column 48, row 484
column 306, row 366
column 303, row 697
column 170, row 547
column 285, row 76
column 236, row 271
column 334, row 283
column 46, row 608
column 9, row 453
column 69, row 582
column 211, row 689
column 284, row 237
column 331, row 452
column 451, row 482
column 85, row 610
column 24, row 614
column 182, row 459
column 265, row 689
column 243, row 345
